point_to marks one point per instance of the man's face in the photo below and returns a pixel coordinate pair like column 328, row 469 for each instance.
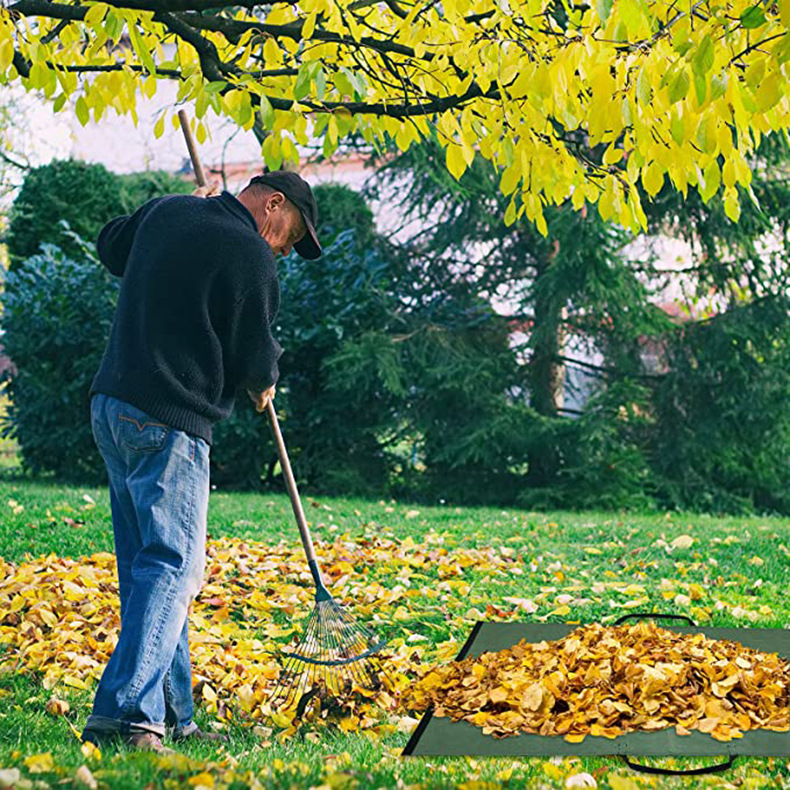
column 283, row 225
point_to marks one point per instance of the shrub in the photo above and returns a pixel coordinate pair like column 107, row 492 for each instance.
column 603, row 453
column 58, row 308
column 56, row 319
column 85, row 196
column 138, row 188
column 327, row 306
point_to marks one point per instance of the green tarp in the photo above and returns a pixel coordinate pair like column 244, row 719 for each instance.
column 440, row 736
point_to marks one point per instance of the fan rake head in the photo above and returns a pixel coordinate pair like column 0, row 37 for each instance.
column 334, row 656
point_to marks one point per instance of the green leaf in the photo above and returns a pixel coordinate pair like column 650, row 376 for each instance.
column 114, row 25
column 604, row 8
column 320, row 83
column 712, row 180
column 82, row 111
column 329, row 147
column 267, row 113
column 342, row 83
column 679, row 86
column 141, row 48
column 214, row 87
column 303, row 80
column 702, row 62
column 159, row 126
column 700, row 87
column 643, row 89
column 753, row 17
column 357, row 82
column 718, row 85
column 732, row 207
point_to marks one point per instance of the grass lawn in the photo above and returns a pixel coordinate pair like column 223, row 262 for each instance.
column 567, row 567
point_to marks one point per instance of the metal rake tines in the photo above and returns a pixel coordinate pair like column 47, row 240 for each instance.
column 335, row 655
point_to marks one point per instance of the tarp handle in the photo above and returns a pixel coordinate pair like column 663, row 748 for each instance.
column 654, row 616
column 652, row 769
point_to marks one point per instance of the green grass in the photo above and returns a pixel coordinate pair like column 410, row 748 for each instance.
column 560, row 556
column 9, row 449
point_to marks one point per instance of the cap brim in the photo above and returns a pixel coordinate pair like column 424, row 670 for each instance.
column 308, row 247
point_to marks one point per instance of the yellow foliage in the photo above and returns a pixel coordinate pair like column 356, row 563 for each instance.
column 663, row 96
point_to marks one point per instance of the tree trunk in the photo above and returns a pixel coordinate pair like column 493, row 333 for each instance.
column 546, row 373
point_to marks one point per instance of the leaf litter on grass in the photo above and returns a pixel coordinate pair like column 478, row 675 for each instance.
column 59, row 617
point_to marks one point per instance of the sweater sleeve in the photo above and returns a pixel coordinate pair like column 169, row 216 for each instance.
column 254, row 350
column 116, row 238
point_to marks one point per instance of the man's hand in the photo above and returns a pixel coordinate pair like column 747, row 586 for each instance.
column 209, row 190
column 261, row 399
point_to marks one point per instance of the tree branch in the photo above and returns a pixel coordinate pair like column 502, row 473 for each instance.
column 604, row 368
column 44, row 7
column 187, row 25
column 170, row 73
column 21, row 65
column 234, row 29
column 211, row 64
column 13, row 162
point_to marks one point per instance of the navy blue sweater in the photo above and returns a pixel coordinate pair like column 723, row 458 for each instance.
column 197, row 301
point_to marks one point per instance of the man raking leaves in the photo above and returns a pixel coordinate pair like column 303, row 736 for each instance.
column 192, row 326
column 336, row 656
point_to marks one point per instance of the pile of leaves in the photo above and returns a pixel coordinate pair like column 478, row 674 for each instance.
column 605, row 681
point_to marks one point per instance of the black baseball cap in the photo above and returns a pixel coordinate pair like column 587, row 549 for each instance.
column 298, row 191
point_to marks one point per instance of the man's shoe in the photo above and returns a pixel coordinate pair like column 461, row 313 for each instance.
column 144, row 741
column 199, row 735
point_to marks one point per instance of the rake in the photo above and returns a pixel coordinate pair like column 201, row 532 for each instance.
column 335, row 654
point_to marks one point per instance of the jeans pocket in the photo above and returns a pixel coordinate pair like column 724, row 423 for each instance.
column 139, row 432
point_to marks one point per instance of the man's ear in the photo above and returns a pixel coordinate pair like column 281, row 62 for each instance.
column 275, row 200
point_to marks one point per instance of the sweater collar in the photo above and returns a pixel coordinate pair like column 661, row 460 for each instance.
column 238, row 208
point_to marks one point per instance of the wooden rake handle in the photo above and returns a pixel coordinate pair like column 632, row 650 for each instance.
column 200, row 176
column 293, row 492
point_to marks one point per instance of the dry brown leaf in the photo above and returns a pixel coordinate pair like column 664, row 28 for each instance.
column 57, row 707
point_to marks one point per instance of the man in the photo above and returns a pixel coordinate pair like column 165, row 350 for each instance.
column 192, row 327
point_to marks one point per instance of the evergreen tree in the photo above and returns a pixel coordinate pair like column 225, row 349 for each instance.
column 569, row 285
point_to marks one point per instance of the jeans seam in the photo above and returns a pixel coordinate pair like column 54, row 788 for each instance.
column 164, row 612
column 152, row 446
column 168, row 691
column 137, row 422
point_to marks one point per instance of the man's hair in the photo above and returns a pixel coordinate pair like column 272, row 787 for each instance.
column 258, row 189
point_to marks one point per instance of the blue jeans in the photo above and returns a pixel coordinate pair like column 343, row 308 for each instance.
column 159, row 487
